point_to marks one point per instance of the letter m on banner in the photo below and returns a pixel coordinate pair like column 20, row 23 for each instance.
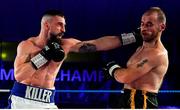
column 6, row 76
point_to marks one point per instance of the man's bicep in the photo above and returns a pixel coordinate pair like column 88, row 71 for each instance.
column 100, row 44
column 107, row 43
column 83, row 46
column 142, row 67
column 23, row 56
column 133, row 71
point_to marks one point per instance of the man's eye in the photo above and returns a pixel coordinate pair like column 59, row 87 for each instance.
column 149, row 25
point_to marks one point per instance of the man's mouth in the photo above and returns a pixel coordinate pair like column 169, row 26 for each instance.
column 60, row 35
column 144, row 32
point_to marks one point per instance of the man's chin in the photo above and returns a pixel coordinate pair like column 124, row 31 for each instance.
column 148, row 40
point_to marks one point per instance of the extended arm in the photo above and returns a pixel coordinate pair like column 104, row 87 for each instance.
column 105, row 43
column 100, row 44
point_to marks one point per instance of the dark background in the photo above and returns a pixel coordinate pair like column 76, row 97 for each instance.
column 90, row 19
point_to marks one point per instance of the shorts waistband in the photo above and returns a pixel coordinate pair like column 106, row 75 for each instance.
column 33, row 93
column 139, row 92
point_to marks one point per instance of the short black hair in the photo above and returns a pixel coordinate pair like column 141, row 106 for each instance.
column 53, row 13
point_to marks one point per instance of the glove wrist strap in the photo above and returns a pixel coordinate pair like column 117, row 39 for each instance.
column 113, row 68
column 127, row 38
column 38, row 61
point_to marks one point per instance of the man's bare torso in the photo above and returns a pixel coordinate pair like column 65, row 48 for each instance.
column 152, row 80
column 45, row 76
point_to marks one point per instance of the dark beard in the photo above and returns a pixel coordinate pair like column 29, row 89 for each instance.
column 60, row 35
column 56, row 37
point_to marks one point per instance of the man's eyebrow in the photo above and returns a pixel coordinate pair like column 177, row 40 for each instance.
column 149, row 22
column 60, row 22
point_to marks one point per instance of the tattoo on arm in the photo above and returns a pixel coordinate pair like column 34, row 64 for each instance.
column 140, row 64
column 87, row 47
column 28, row 58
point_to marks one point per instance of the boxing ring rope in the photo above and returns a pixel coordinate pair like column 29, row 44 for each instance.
column 5, row 90
column 98, row 91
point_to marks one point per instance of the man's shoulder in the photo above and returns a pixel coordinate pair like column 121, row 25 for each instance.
column 31, row 39
column 70, row 41
column 158, row 52
column 158, row 56
column 154, row 54
column 27, row 42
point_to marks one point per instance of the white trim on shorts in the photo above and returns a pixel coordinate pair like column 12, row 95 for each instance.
column 19, row 102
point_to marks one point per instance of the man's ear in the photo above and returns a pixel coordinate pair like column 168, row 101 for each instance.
column 162, row 27
column 46, row 25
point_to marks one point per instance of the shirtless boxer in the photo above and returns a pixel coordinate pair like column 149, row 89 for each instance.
column 145, row 69
column 37, row 63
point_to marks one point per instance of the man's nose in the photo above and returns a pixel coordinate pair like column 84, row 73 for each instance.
column 143, row 27
column 63, row 29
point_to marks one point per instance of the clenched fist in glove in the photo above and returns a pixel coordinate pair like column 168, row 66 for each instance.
column 52, row 51
column 109, row 69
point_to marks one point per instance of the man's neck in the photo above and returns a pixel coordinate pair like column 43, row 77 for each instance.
column 41, row 41
column 152, row 44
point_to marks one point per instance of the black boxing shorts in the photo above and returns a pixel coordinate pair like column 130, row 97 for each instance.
column 132, row 99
